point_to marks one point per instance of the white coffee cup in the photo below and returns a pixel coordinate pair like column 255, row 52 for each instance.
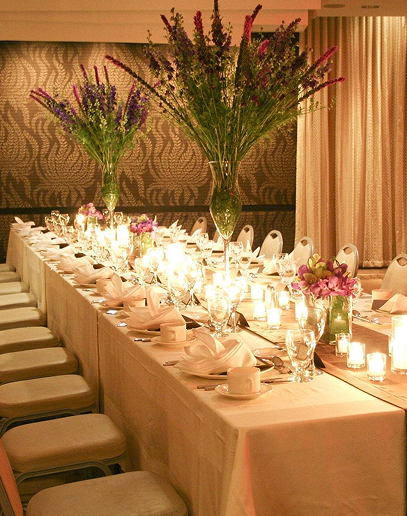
column 243, row 380
column 173, row 332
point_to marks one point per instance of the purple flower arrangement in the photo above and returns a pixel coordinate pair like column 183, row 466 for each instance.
column 321, row 279
column 98, row 120
column 89, row 210
column 143, row 224
column 228, row 97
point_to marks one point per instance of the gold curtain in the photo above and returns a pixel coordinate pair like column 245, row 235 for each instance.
column 351, row 159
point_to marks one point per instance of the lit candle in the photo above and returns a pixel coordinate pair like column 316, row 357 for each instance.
column 339, row 325
column 273, row 318
column 300, row 309
column 257, row 292
column 399, row 356
column 356, row 355
column 376, row 366
column 284, row 299
column 122, row 235
column 342, row 341
column 175, row 254
column 218, row 279
column 259, row 310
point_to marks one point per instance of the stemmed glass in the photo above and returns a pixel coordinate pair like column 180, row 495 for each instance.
column 177, row 287
column 312, row 318
column 235, row 250
column 219, row 311
column 235, row 292
column 288, row 274
column 245, row 259
column 155, row 257
column 281, row 262
column 192, row 273
column 300, row 345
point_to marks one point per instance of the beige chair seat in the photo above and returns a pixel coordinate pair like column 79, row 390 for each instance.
column 13, row 287
column 5, row 277
column 58, row 443
column 7, row 267
column 19, row 300
column 36, row 363
column 137, row 493
column 20, row 339
column 42, row 398
column 20, row 317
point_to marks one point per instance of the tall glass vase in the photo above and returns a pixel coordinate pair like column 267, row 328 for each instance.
column 110, row 188
column 339, row 317
column 225, row 204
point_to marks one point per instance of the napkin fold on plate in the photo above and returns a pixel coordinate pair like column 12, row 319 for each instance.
column 210, row 356
column 380, row 296
column 269, row 266
column 395, row 305
column 57, row 254
column 117, row 291
column 151, row 316
column 20, row 224
column 68, row 262
column 86, row 274
column 192, row 238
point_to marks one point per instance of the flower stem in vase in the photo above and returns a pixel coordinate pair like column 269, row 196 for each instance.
column 225, row 204
column 110, row 189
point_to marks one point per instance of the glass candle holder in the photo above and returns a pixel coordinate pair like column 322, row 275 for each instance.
column 284, row 300
column 376, row 366
column 341, row 342
column 257, row 292
column 274, row 318
column 399, row 355
column 356, row 355
column 259, row 310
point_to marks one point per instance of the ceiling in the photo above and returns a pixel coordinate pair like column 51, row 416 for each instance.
column 130, row 20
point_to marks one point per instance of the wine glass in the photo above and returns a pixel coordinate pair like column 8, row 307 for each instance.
column 313, row 319
column 235, row 290
column 281, row 261
column 192, row 272
column 219, row 311
column 288, row 274
column 245, row 259
column 155, row 257
column 177, row 287
column 300, row 345
column 201, row 240
column 235, row 250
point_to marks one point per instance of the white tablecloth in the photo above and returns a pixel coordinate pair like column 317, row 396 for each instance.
column 320, row 448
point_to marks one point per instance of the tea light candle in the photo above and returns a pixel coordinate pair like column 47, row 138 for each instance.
column 284, row 299
column 259, row 310
column 218, row 279
column 342, row 341
column 399, row 355
column 257, row 292
column 122, row 235
column 300, row 309
column 376, row 366
column 338, row 325
column 356, row 355
column 273, row 318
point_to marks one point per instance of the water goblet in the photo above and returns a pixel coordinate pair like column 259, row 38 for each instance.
column 288, row 274
column 313, row 319
column 207, row 250
column 192, row 271
column 155, row 256
column 49, row 222
column 64, row 218
column 300, row 345
column 219, row 311
column 281, row 261
column 235, row 290
column 235, row 250
column 177, row 287
column 245, row 259
column 118, row 218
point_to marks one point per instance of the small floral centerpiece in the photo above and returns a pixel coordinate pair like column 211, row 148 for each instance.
column 228, row 97
column 328, row 284
column 89, row 210
column 143, row 229
column 100, row 122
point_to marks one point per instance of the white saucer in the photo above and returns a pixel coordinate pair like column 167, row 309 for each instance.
column 144, row 332
column 157, row 340
column 223, row 390
column 219, row 376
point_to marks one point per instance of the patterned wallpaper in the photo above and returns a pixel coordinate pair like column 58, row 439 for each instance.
column 165, row 173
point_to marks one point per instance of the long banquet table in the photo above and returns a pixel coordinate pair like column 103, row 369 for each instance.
column 323, row 447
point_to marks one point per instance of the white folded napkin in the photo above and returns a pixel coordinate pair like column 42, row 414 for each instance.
column 68, row 262
column 85, row 273
column 255, row 256
column 173, row 225
column 210, row 356
column 395, row 305
column 380, row 296
column 192, row 238
column 151, row 316
column 269, row 266
column 117, row 291
column 20, row 224
column 57, row 254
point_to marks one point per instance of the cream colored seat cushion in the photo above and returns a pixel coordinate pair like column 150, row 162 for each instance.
column 137, row 493
column 41, row 395
column 20, row 317
column 19, row 300
column 29, row 337
column 59, row 442
column 13, row 287
column 7, row 267
column 36, row 363
column 5, row 277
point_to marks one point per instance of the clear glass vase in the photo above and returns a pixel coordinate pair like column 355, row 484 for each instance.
column 339, row 317
column 142, row 243
column 225, row 204
column 110, row 188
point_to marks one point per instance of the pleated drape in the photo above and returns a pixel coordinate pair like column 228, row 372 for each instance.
column 351, row 158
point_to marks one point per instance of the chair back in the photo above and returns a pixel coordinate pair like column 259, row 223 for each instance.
column 10, row 501
column 395, row 278
column 200, row 223
column 246, row 236
column 350, row 255
column 302, row 251
column 272, row 244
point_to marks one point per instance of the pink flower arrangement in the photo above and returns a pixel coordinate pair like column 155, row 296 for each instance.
column 89, row 210
column 143, row 224
column 321, row 279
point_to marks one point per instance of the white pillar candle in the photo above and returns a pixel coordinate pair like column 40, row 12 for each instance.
column 218, row 279
column 284, row 299
column 300, row 308
column 376, row 366
column 356, row 355
column 257, row 292
column 122, row 235
column 342, row 341
column 273, row 318
column 259, row 310
column 399, row 355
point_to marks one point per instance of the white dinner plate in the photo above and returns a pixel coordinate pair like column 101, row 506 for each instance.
column 223, row 390
column 188, row 340
column 220, row 376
